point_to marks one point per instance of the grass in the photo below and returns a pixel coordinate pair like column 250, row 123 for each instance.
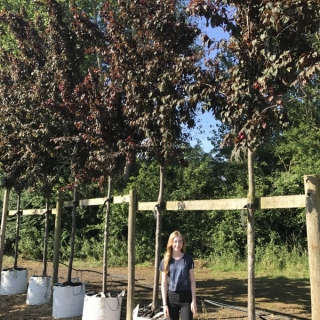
column 280, row 261
column 271, row 261
column 146, row 264
column 7, row 260
column 93, row 263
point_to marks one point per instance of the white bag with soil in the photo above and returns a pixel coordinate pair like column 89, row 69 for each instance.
column 68, row 300
column 100, row 306
column 14, row 281
column 39, row 290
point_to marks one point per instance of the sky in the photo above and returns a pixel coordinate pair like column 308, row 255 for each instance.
column 207, row 123
column 207, row 120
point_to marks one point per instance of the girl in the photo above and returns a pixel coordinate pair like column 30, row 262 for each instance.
column 178, row 285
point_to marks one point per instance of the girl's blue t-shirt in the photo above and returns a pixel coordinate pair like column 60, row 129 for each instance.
column 179, row 279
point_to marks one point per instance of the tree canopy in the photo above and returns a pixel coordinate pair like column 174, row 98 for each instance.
column 271, row 44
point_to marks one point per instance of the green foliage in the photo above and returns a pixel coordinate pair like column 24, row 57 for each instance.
column 191, row 184
column 226, row 262
column 228, row 234
column 208, row 234
column 271, row 261
column 31, row 237
column 297, row 149
column 274, row 260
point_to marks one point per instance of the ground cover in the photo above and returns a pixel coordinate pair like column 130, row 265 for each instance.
column 221, row 295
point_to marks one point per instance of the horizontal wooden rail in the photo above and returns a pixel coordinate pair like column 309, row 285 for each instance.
column 97, row 201
column 298, row 201
column 197, row 205
column 30, row 212
column 221, row 204
column 295, row 201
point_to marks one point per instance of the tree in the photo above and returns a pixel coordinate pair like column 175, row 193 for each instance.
column 75, row 119
column 297, row 147
column 270, row 43
column 100, row 126
column 47, row 54
column 152, row 60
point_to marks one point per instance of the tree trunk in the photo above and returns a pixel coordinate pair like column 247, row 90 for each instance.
column 131, row 252
column 127, row 172
column 106, row 236
column 56, row 250
column 16, row 245
column 73, row 232
column 3, row 224
column 46, row 236
column 155, row 296
column 251, row 237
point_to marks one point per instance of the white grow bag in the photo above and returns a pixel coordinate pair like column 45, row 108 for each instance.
column 14, row 281
column 68, row 300
column 101, row 307
column 39, row 290
column 159, row 315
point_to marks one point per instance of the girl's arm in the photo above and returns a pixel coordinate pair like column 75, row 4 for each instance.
column 164, row 288
column 193, row 291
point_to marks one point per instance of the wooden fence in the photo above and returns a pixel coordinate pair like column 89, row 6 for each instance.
column 310, row 200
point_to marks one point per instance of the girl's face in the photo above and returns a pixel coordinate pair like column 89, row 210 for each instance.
column 177, row 243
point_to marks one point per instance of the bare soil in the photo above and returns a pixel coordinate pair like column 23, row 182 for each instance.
column 220, row 295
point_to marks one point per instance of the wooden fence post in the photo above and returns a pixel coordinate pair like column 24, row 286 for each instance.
column 56, row 250
column 312, row 190
column 251, row 237
column 131, row 252
column 3, row 224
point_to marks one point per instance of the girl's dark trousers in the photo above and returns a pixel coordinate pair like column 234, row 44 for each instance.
column 179, row 303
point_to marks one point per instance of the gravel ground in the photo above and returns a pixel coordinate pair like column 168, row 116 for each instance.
column 220, row 295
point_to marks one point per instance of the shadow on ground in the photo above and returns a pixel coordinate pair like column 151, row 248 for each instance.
column 276, row 298
column 279, row 296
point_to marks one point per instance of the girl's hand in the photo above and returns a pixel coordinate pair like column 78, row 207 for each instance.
column 166, row 311
column 194, row 306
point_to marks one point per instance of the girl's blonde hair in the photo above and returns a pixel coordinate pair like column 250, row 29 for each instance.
column 168, row 253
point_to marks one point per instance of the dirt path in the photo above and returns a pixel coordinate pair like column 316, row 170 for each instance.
column 220, row 295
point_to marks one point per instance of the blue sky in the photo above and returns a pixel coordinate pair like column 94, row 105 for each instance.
column 208, row 123
column 206, row 120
